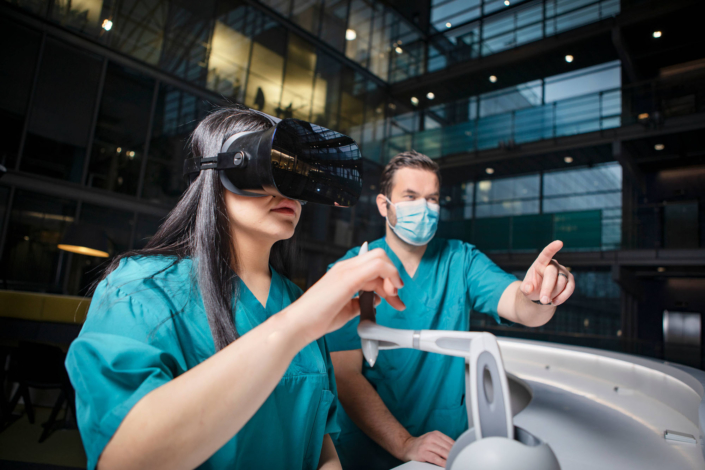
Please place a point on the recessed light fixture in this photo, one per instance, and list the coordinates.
(107, 24)
(656, 34)
(659, 147)
(119, 149)
(493, 79)
(448, 25)
(430, 95)
(506, 2)
(350, 35)
(569, 58)
(399, 50)
(448, 199)
(661, 269)
(414, 101)
(643, 116)
(489, 171)
(568, 159)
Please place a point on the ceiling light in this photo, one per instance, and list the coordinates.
(119, 149)
(107, 25)
(568, 159)
(414, 101)
(659, 147)
(661, 269)
(493, 79)
(489, 171)
(448, 25)
(506, 2)
(399, 50)
(448, 199)
(350, 35)
(569, 58)
(656, 34)
(430, 95)
(643, 116)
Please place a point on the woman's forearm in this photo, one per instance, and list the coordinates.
(182, 423)
(329, 457)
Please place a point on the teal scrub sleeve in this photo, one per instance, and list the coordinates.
(111, 372)
(486, 282)
(332, 426)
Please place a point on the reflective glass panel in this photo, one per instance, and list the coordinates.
(19, 47)
(121, 131)
(62, 112)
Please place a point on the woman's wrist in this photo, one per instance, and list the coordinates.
(292, 329)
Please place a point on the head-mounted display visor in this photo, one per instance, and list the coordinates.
(295, 159)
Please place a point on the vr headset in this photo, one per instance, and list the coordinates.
(294, 159)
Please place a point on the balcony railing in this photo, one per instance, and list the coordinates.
(649, 103)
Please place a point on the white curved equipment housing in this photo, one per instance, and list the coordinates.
(603, 410)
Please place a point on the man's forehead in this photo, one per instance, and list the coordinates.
(415, 180)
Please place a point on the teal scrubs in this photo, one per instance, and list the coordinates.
(147, 325)
(424, 391)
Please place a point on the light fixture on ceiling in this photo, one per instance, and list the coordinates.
(489, 171)
(398, 50)
(414, 101)
(350, 35)
(656, 34)
(661, 269)
(659, 147)
(568, 159)
(569, 58)
(493, 79)
(448, 25)
(506, 2)
(85, 240)
(107, 24)
(430, 95)
(643, 116)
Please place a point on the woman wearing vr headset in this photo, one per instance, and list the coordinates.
(196, 351)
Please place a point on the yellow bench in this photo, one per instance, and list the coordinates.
(43, 307)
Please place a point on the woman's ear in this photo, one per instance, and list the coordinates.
(382, 205)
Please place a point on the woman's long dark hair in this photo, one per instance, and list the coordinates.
(198, 227)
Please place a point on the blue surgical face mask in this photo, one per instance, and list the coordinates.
(416, 221)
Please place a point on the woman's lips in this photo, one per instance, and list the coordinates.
(285, 211)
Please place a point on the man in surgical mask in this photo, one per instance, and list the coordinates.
(411, 404)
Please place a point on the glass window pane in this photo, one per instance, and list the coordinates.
(31, 258)
(335, 13)
(264, 84)
(307, 14)
(584, 81)
(62, 112)
(298, 80)
(326, 91)
(187, 33)
(352, 104)
(177, 114)
(19, 48)
(283, 7)
(230, 53)
(381, 39)
(116, 223)
(85, 16)
(357, 46)
(583, 181)
(121, 130)
(138, 28)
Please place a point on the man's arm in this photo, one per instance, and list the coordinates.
(367, 410)
(546, 281)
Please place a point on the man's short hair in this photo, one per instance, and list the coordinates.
(409, 159)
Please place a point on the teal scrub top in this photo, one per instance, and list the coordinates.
(424, 391)
(147, 324)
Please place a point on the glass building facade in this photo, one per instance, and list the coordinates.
(103, 94)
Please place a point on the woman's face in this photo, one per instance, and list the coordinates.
(270, 218)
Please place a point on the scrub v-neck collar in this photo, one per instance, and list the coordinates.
(421, 269)
(274, 297)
